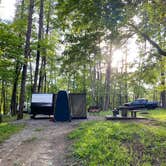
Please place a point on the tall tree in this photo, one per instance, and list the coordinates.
(39, 48)
(42, 75)
(26, 55)
(18, 65)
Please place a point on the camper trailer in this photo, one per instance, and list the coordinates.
(42, 104)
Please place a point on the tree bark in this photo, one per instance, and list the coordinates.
(163, 93)
(26, 55)
(126, 72)
(4, 97)
(108, 81)
(44, 59)
(40, 33)
(14, 103)
(107, 85)
(84, 79)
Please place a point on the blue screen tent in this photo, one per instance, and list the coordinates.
(62, 110)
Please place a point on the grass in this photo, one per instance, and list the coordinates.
(6, 130)
(8, 118)
(109, 144)
(157, 114)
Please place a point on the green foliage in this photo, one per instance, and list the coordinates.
(6, 130)
(107, 143)
(10, 50)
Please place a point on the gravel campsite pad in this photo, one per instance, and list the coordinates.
(41, 143)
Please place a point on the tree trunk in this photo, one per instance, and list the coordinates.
(108, 81)
(107, 86)
(84, 79)
(40, 33)
(45, 83)
(163, 93)
(163, 99)
(126, 82)
(26, 55)
(4, 97)
(14, 103)
(92, 78)
(43, 66)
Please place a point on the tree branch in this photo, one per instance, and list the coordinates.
(146, 37)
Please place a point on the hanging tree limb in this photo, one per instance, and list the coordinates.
(146, 37)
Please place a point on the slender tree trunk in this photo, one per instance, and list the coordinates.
(14, 103)
(45, 83)
(107, 85)
(163, 99)
(163, 93)
(4, 97)
(40, 33)
(108, 81)
(1, 108)
(26, 55)
(31, 74)
(114, 95)
(101, 86)
(42, 74)
(97, 85)
(1, 99)
(84, 79)
(126, 82)
(92, 73)
(43, 66)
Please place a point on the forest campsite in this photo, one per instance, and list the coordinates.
(82, 82)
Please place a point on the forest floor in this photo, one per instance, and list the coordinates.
(41, 143)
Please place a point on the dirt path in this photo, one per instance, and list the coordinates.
(41, 143)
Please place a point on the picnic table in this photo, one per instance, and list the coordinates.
(124, 111)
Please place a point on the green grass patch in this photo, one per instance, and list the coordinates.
(157, 114)
(9, 118)
(6, 130)
(108, 143)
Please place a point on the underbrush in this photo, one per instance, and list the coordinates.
(6, 130)
(107, 143)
